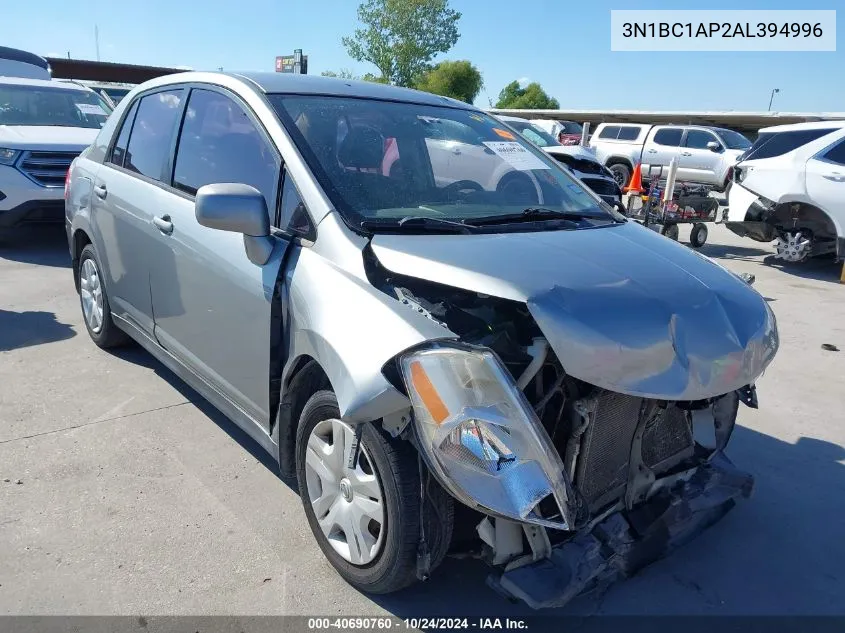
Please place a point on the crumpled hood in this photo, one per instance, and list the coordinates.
(623, 307)
(46, 137)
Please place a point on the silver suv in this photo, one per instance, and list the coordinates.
(44, 125)
(420, 352)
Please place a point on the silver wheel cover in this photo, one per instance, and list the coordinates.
(91, 291)
(347, 500)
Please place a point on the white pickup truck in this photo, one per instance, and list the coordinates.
(705, 155)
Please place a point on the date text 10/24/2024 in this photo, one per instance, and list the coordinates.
(413, 624)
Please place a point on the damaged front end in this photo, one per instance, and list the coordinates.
(579, 484)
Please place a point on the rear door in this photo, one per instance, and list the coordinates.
(127, 194)
(659, 150)
(699, 163)
(826, 182)
(212, 305)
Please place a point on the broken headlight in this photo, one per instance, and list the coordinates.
(481, 436)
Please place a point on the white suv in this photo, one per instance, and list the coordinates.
(44, 125)
(790, 187)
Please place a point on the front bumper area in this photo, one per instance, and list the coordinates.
(626, 541)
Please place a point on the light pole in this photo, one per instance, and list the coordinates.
(775, 90)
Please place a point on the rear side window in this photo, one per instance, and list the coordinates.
(836, 154)
(628, 133)
(220, 143)
(149, 143)
(610, 132)
(698, 139)
(119, 151)
(771, 144)
(668, 136)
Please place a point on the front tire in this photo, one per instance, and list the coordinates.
(94, 301)
(365, 512)
(621, 174)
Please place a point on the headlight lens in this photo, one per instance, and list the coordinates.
(8, 156)
(481, 436)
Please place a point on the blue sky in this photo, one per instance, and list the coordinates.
(565, 45)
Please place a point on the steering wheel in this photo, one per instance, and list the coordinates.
(460, 188)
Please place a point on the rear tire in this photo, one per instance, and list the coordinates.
(94, 301)
(698, 235)
(621, 174)
(394, 463)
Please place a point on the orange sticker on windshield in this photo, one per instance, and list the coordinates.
(504, 134)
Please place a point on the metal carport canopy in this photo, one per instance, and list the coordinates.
(88, 70)
(740, 121)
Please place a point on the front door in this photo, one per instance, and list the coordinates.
(699, 163)
(212, 306)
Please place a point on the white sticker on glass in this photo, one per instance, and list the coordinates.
(90, 108)
(516, 155)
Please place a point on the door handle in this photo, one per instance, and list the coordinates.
(686, 153)
(101, 192)
(835, 176)
(163, 224)
(456, 151)
(652, 151)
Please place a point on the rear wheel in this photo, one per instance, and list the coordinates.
(364, 511)
(95, 303)
(621, 174)
(698, 235)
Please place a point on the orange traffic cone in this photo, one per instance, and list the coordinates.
(636, 184)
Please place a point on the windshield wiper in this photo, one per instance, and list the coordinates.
(415, 222)
(531, 214)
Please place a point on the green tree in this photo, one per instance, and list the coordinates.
(401, 37)
(532, 97)
(458, 79)
(343, 73)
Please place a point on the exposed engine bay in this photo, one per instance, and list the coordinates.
(622, 453)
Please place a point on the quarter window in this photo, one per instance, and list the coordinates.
(220, 143)
(628, 133)
(295, 216)
(610, 132)
(668, 136)
(698, 139)
(149, 143)
(836, 154)
(119, 151)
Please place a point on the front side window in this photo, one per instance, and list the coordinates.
(42, 106)
(733, 140)
(220, 143)
(386, 162)
(698, 139)
(668, 136)
(152, 132)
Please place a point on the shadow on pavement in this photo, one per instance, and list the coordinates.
(25, 329)
(136, 354)
(821, 269)
(43, 245)
(778, 553)
(729, 251)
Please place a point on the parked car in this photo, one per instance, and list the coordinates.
(790, 187)
(44, 125)
(579, 161)
(566, 132)
(421, 356)
(17, 63)
(705, 155)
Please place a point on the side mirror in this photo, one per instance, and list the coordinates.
(714, 146)
(240, 209)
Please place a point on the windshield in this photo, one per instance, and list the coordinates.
(734, 140)
(381, 162)
(37, 105)
(533, 134)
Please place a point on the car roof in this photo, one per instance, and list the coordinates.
(810, 125)
(54, 84)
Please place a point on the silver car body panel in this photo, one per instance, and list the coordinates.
(623, 307)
